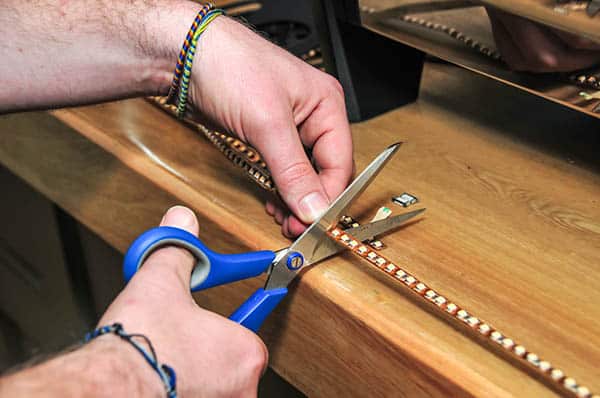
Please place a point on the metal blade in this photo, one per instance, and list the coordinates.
(314, 244)
(371, 230)
(368, 231)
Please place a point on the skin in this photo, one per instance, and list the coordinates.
(92, 51)
(213, 357)
(527, 46)
(61, 53)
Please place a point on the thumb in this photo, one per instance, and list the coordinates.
(295, 177)
(172, 258)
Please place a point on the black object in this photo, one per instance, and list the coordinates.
(288, 23)
(377, 73)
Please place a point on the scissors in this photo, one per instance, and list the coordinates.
(213, 269)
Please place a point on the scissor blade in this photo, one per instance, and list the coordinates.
(366, 232)
(373, 229)
(314, 240)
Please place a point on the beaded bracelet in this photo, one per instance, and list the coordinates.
(165, 372)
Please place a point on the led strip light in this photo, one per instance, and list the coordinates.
(238, 152)
(461, 318)
(251, 162)
(248, 159)
(455, 34)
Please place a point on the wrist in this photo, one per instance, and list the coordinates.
(118, 369)
(105, 367)
(165, 28)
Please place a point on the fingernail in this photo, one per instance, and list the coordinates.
(180, 217)
(312, 206)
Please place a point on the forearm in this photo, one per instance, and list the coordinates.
(106, 367)
(65, 52)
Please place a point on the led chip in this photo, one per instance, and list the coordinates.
(570, 383)
(557, 374)
(508, 343)
(420, 287)
(533, 359)
(376, 244)
(390, 268)
(452, 308)
(545, 366)
(462, 315)
(583, 392)
(405, 199)
(496, 336)
(520, 350)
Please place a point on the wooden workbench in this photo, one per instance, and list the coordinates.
(512, 232)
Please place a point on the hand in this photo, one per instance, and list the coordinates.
(280, 105)
(528, 46)
(212, 356)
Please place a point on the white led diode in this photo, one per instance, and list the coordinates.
(362, 250)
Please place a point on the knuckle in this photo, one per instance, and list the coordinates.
(335, 86)
(295, 173)
(254, 357)
(545, 61)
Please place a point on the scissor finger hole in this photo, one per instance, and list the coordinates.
(202, 267)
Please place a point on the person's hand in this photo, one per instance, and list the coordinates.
(212, 356)
(280, 105)
(528, 46)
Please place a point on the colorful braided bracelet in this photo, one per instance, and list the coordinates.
(183, 69)
(184, 49)
(189, 59)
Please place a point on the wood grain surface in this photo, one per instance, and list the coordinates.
(512, 232)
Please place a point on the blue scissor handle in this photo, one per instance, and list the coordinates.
(212, 269)
(255, 310)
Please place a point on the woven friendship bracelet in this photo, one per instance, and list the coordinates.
(165, 372)
(189, 59)
(184, 49)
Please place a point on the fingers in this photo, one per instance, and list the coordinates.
(295, 177)
(508, 48)
(528, 46)
(171, 259)
(328, 133)
(576, 42)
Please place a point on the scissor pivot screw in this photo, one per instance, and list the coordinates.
(295, 261)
